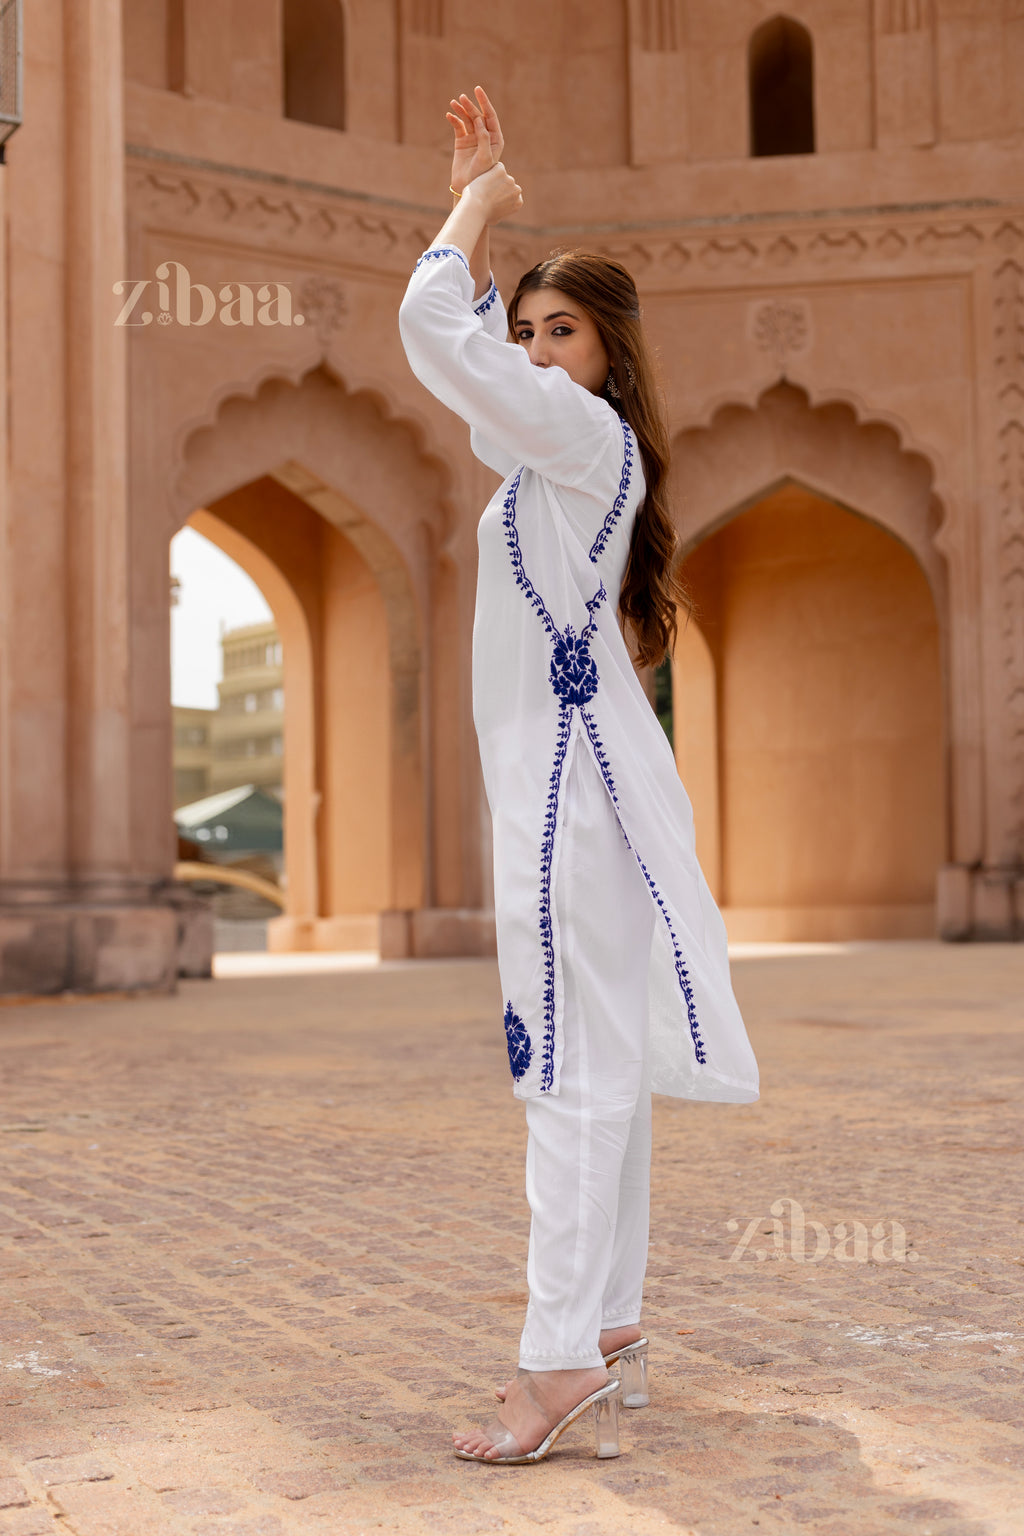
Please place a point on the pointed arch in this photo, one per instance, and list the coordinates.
(812, 560)
(330, 483)
(830, 447)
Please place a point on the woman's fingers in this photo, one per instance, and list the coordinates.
(490, 118)
(457, 115)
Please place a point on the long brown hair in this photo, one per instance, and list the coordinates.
(651, 588)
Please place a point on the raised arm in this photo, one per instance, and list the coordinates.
(538, 416)
(478, 146)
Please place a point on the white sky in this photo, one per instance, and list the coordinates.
(215, 595)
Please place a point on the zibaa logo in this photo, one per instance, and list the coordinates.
(177, 296)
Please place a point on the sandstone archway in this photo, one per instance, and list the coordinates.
(817, 683)
(301, 797)
(341, 502)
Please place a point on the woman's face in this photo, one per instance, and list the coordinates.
(556, 332)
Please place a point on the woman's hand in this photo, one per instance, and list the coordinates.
(478, 138)
(495, 193)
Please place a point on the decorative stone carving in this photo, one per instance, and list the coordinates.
(832, 245)
(394, 239)
(951, 240)
(780, 328)
(891, 244)
(323, 303)
(728, 253)
(782, 251)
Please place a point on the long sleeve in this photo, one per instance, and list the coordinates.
(491, 312)
(533, 416)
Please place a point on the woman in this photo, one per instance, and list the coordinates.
(611, 951)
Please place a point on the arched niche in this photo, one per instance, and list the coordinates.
(343, 502)
(780, 63)
(862, 465)
(313, 62)
(812, 671)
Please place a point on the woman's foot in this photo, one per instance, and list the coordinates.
(611, 1340)
(614, 1339)
(534, 1402)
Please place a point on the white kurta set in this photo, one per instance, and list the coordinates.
(611, 950)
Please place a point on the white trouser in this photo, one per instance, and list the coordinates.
(588, 1156)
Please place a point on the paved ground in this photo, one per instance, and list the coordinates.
(261, 1245)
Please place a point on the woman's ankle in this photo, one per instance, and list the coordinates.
(619, 1337)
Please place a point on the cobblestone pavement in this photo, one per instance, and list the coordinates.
(262, 1244)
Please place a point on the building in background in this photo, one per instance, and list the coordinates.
(193, 752)
(242, 740)
(824, 212)
(247, 728)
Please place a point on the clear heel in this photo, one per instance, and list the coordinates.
(632, 1367)
(605, 1403)
(606, 1426)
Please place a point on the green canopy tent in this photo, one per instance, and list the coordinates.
(235, 822)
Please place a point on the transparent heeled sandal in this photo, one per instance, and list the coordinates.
(604, 1402)
(631, 1362)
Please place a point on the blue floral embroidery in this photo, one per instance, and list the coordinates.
(489, 299)
(681, 972)
(436, 254)
(547, 849)
(600, 756)
(598, 546)
(520, 1051)
(573, 673)
(575, 680)
(522, 581)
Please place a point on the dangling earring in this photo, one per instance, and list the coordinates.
(630, 375)
(611, 386)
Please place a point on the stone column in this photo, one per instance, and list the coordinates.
(72, 915)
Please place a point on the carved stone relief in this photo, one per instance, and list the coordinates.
(198, 202)
(780, 328)
(323, 303)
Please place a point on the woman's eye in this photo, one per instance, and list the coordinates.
(562, 330)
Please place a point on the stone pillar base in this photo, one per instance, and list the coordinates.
(437, 933)
(980, 904)
(305, 935)
(446, 932)
(430, 933)
(46, 950)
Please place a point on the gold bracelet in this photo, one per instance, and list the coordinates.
(453, 192)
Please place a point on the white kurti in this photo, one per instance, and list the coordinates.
(552, 676)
